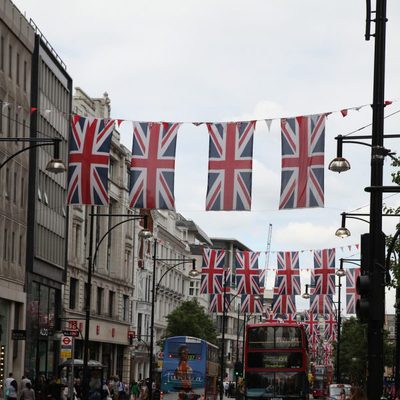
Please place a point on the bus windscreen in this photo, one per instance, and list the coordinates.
(275, 337)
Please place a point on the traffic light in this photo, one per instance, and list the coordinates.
(238, 369)
(370, 283)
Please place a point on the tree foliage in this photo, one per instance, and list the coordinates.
(190, 319)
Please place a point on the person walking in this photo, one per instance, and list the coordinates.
(27, 392)
(11, 387)
(134, 391)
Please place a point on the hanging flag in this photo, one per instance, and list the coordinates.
(247, 272)
(287, 279)
(212, 272)
(302, 180)
(290, 318)
(351, 293)
(217, 302)
(153, 165)
(88, 158)
(282, 304)
(311, 323)
(324, 271)
(250, 305)
(230, 166)
(321, 304)
(330, 327)
(269, 316)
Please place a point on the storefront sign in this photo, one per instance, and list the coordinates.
(18, 334)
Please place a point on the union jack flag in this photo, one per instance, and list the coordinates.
(251, 305)
(247, 272)
(284, 304)
(288, 273)
(230, 166)
(324, 271)
(289, 318)
(270, 316)
(263, 277)
(311, 323)
(330, 327)
(213, 272)
(321, 304)
(302, 180)
(153, 165)
(89, 153)
(217, 302)
(351, 294)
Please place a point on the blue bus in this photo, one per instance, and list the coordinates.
(190, 369)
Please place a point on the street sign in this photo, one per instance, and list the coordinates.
(71, 332)
(66, 353)
(18, 334)
(66, 341)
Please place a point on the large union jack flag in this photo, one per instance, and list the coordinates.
(213, 272)
(351, 293)
(288, 273)
(269, 316)
(89, 153)
(153, 165)
(251, 305)
(321, 304)
(283, 304)
(311, 324)
(324, 271)
(247, 272)
(217, 302)
(330, 327)
(230, 166)
(302, 180)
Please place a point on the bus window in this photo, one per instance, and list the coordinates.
(288, 337)
(261, 337)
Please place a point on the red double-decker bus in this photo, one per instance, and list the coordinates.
(276, 361)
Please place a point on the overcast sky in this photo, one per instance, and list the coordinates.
(237, 60)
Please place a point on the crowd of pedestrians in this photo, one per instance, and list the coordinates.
(55, 389)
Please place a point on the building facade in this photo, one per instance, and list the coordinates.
(17, 40)
(51, 97)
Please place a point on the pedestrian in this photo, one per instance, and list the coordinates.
(226, 388)
(121, 391)
(134, 390)
(11, 387)
(24, 381)
(156, 393)
(27, 392)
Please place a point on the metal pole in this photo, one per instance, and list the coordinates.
(377, 249)
(85, 383)
(222, 360)
(153, 299)
(339, 323)
(237, 347)
(397, 333)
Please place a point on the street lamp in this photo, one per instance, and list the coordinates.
(145, 233)
(55, 165)
(343, 232)
(154, 289)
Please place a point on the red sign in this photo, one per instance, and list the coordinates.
(131, 334)
(66, 341)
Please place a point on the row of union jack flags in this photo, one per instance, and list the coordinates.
(247, 279)
(230, 163)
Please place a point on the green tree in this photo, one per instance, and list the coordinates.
(353, 351)
(190, 319)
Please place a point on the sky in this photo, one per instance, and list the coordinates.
(230, 60)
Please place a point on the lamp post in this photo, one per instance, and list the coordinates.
(154, 289)
(145, 233)
(55, 165)
(340, 273)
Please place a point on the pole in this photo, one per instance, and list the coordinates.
(244, 337)
(237, 347)
(153, 299)
(85, 383)
(339, 323)
(397, 333)
(222, 360)
(376, 254)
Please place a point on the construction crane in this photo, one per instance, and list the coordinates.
(268, 246)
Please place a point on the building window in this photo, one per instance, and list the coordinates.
(125, 310)
(17, 75)
(25, 74)
(15, 188)
(10, 61)
(73, 285)
(7, 191)
(2, 53)
(9, 122)
(111, 298)
(13, 247)
(85, 295)
(99, 302)
(21, 242)
(139, 326)
(194, 288)
(5, 246)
